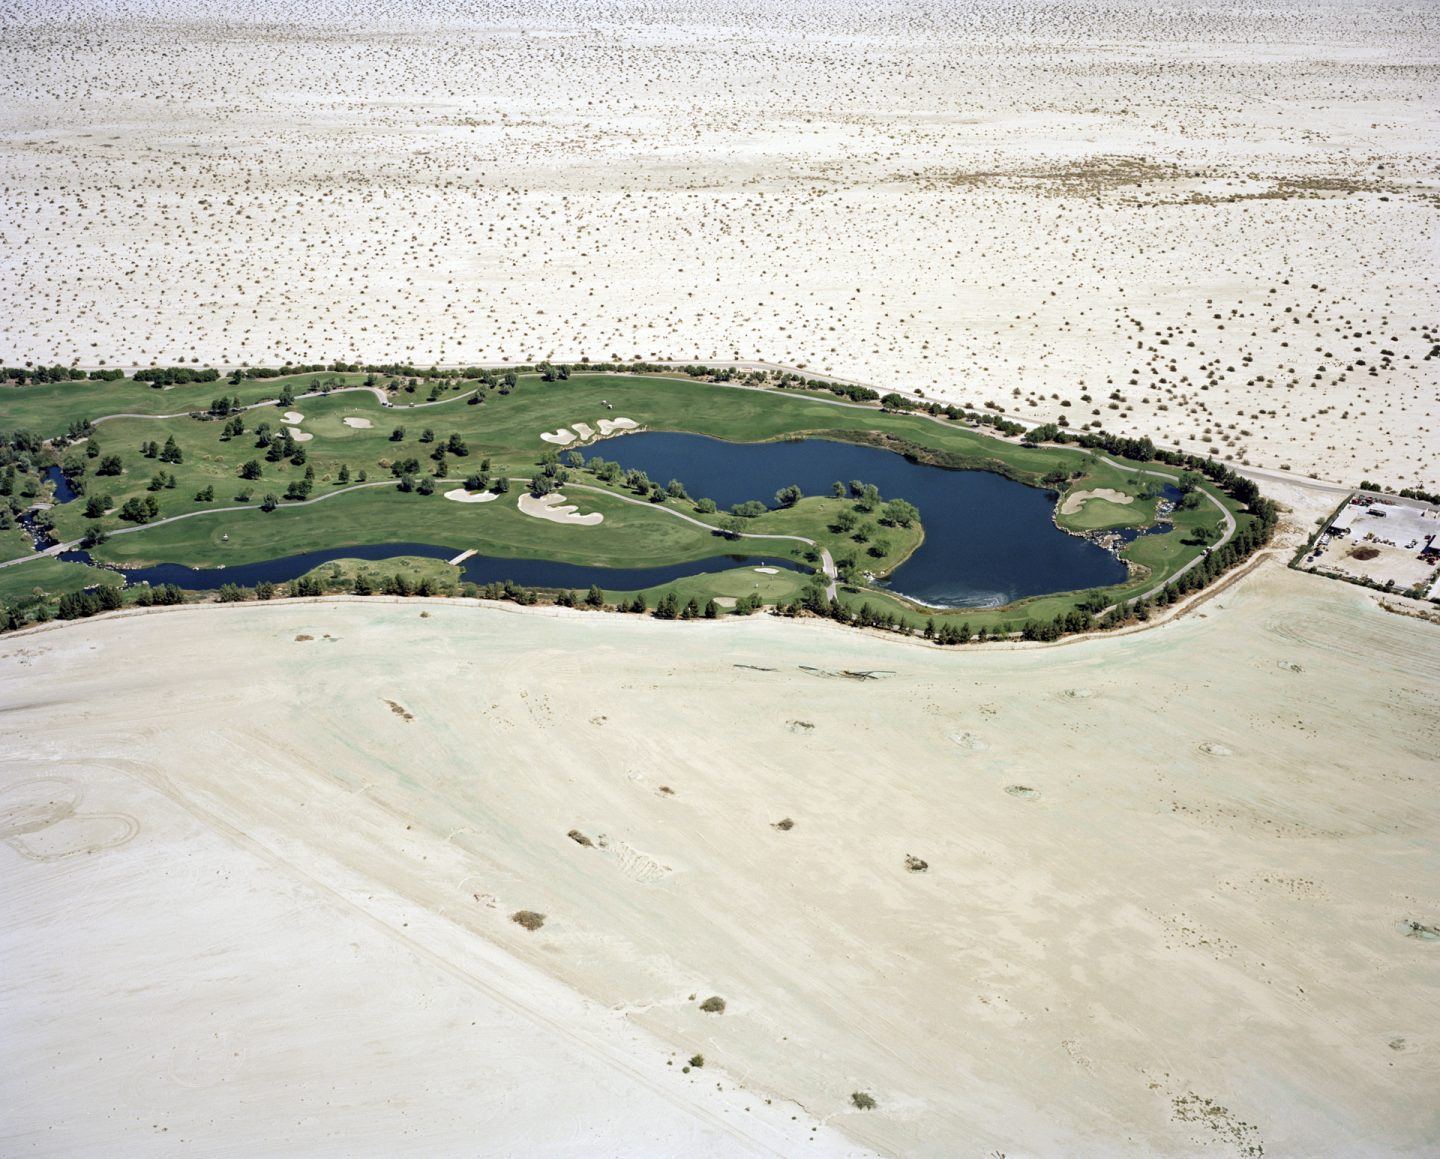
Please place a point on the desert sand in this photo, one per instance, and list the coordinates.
(1219, 219)
(1148, 919)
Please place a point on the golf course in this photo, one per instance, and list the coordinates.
(679, 492)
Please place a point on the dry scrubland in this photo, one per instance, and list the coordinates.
(1225, 214)
(1167, 876)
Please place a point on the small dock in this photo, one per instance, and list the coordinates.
(463, 556)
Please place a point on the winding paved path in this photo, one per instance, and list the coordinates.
(1224, 539)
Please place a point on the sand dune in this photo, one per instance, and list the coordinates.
(1118, 928)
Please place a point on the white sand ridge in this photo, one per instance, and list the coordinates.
(584, 433)
(557, 509)
(1077, 499)
(460, 495)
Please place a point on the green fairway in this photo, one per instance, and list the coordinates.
(331, 475)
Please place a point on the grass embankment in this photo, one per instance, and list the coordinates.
(505, 428)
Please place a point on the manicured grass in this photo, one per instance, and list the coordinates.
(341, 573)
(505, 428)
(631, 536)
(1103, 515)
(30, 583)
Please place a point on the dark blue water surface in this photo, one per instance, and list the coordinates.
(63, 491)
(988, 539)
(478, 569)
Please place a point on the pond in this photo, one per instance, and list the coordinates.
(478, 569)
(988, 540)
(64, 493)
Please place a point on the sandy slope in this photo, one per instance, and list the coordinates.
(1224, 213)
(1201, 903)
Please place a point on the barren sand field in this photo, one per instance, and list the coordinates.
(1164, 904)
(1221, 219)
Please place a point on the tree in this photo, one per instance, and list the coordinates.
(899, 513)
(206, 494)
(426, 486)
(110, 465)
(344, 476)
(750, 509)
(171, 452)
(363, 586)
(502, 485)
(712, 610)
(397, 435)
(134, 511)
(837, 490)
(270, 502)
(250, 470)
(456, 446)
(97, 505)
(789, 496)
(595, 598)
(668, 607)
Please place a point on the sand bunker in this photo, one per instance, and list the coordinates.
(298, 435)
(555, 508)
(768, 570)
(293, 416)
(584, 433)
(460, 495)
(1077, 499)
(358, 424)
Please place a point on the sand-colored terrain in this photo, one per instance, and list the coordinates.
(460, 495)
(358, 424)
(1163, 906)
(1077, 499)
(1220, 219)
(557, 509)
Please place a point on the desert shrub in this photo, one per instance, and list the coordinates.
(528, 918)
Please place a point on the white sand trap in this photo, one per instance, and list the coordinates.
(768, 570)
(554, 508)
(725, 601)
(359, 424)
(298, 435)
(584, 430)
(610, 426)
(562, 436)
(1077, 499)
(293, 416)
(460, 495)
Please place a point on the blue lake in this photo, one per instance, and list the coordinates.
(988, 539)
